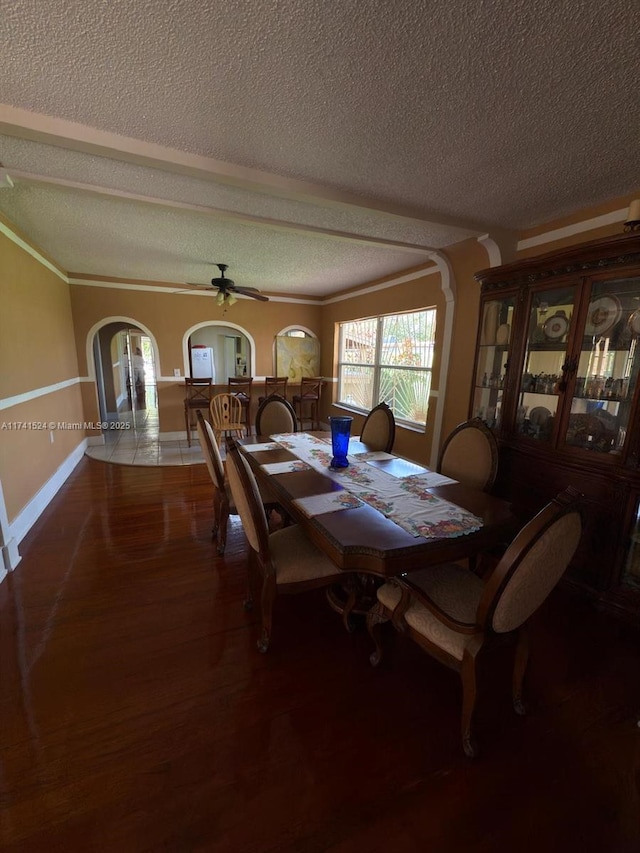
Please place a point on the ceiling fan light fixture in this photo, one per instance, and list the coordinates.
(231, 299)
(220, 297)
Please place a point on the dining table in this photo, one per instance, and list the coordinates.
(382, 515)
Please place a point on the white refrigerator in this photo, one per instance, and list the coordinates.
(202, 363)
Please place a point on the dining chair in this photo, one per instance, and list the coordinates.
(240, 387)
(456, 616)
(284, 561)
(275, 415)
(310, 391)
(223, 505)
(470, 455)
(379, 428)
(225, 414)
(274, 385)
(197, 396)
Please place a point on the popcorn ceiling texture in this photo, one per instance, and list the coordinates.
(167, 245)
(508, 113)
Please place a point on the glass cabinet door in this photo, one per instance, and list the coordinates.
(551, 314)
(493, 357)
(607, 368)
(631, 572)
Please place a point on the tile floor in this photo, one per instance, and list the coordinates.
(138, 442)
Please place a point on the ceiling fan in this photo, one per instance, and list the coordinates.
(227, 289)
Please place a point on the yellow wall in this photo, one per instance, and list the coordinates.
(36, 350)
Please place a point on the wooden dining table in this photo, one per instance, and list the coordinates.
(363, 539)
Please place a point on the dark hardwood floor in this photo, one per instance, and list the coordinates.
(137, 714)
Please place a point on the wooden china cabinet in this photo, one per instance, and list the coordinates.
(556, 378)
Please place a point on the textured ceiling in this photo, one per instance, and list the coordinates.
(317, 145)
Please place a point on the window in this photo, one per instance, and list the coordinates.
(388, 359)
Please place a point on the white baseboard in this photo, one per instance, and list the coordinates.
(9, 546)
(28, 516)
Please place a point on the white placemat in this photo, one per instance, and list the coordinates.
(329, 502)
(286, 467)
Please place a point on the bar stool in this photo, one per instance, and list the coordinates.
(310, 389)
(274, 385)
(240, 387)
(198, 396)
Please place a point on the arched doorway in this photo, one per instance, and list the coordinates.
(232, 350)
(125, 372)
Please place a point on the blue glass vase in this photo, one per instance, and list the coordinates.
(340, 432)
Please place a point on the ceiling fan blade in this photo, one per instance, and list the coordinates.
(252, 292)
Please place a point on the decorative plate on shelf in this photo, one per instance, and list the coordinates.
(539, 415)
(604, 312)
(634, 322)
(555, 327)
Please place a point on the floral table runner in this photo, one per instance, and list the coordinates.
(405, 500)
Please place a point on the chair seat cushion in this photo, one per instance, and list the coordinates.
(454, 589)
(296, 558)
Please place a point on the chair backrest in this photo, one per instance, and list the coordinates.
(246, 497)
(470, 455)
(379, 428)
(240, 385)
(197, 390)
(210, 451)
(275, 415)
(226, 412)
(276, 385)
(532, 565)
(311, 386)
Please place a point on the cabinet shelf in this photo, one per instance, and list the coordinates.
(602, 399)
(554, 346)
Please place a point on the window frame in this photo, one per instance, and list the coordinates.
(378, 366)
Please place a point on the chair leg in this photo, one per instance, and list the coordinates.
(350, 603)
(248, 602)
(222, 528)
(469, 695)
(376, 617)
(519, 669)
(267, 599)
(216, 520)
(187, 424)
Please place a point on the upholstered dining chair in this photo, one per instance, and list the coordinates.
(470, 455)
(379, 428)
(456, 616)
(240, 387)
(223, 505)
(274, 385)
(275, 415)
(309, 396)
(225, 413)
(284, 561)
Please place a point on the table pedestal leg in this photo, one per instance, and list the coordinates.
(355, 595)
